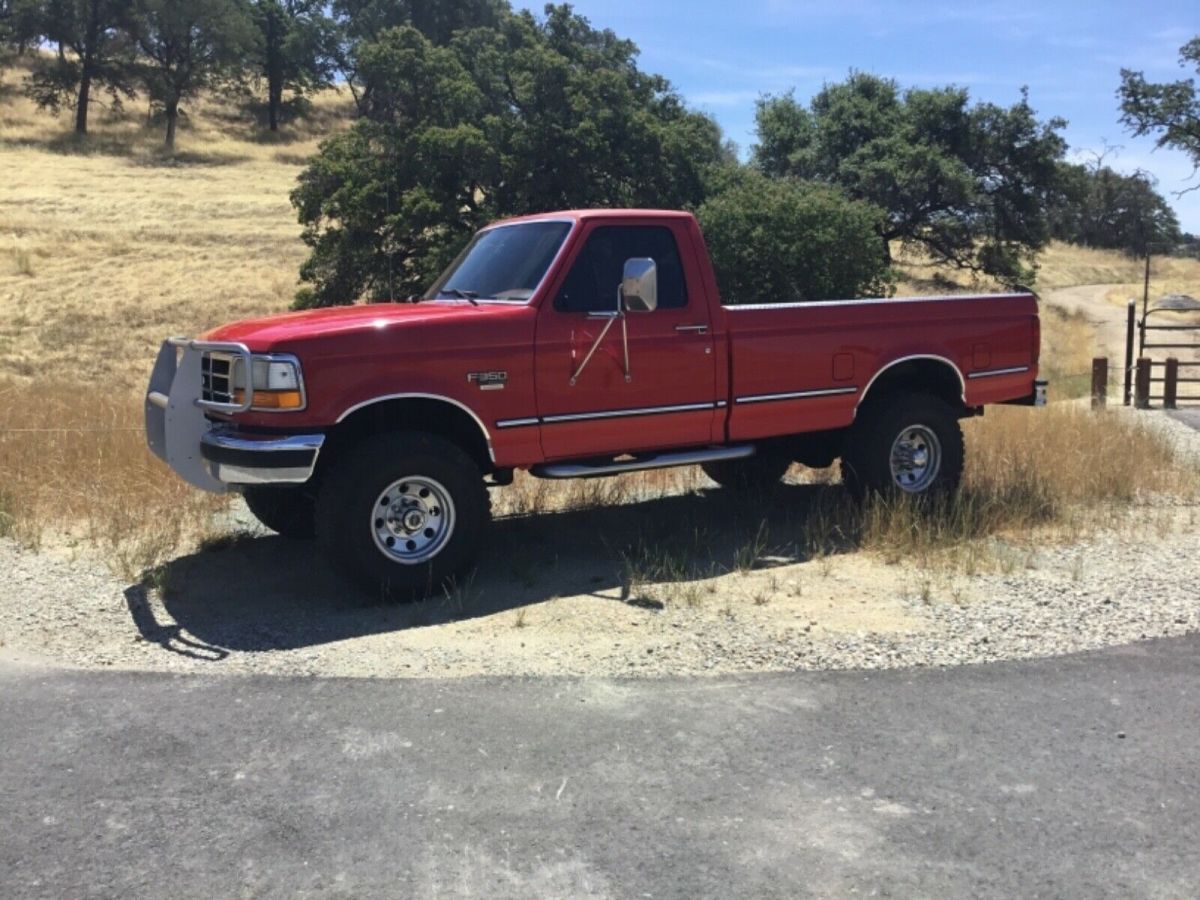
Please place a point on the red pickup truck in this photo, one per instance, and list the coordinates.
(571, 344)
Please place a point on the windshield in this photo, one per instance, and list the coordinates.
(503, 263)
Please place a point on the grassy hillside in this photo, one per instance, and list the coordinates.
(107, 245)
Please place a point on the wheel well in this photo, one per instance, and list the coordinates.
(425, 414)
(926, 375)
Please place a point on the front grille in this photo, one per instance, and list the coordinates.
(216, 377)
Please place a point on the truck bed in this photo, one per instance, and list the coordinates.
(817, 361)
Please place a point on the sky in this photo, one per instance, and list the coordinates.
(723, 55)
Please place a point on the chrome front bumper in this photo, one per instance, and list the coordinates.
(205, 454)
(236, 458)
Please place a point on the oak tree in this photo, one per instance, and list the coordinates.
(358, 22)
(1100, 207)
(294, 52)
(530, 115)
(1170, 111)
(968, 184)
(188, 46)
(94, 53)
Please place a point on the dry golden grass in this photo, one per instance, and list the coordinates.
(1053, 472)
(1068, 455)
(110, 244)
(1068, 346)
(917, 274)
(1059, 265)
(76, 469)
(1064, 265)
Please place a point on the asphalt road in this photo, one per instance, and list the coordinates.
(1074, 777)
(1189, 416)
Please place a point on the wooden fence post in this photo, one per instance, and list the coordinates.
(1171, 384)
(1141, 398)
(1099, 382)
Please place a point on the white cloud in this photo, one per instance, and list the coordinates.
(723, 98)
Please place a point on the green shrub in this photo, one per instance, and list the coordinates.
(778, 240)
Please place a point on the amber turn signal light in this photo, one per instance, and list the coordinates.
(272, 399)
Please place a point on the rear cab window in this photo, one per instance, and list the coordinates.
(591, 285)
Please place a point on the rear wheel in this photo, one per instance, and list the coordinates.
(286, 509)
(402, 514)
(906, 444)
(758, 472)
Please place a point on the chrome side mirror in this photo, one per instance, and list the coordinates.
(639, 285)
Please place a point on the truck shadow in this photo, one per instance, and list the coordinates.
(269, 593)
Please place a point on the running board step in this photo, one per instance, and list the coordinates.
(590, 469)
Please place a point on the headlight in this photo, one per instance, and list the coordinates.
(277, 383)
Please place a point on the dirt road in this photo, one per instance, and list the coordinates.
(1108, 320)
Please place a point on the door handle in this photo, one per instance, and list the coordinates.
(698, 329)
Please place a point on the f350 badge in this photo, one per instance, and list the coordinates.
(489, 381)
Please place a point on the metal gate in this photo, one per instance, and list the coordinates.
(1166, 367)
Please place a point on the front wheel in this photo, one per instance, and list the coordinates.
(910, 444)
(402, 514)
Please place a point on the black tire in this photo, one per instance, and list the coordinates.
(286, 509)
(759, 472)
(928, 425)
(351, 528)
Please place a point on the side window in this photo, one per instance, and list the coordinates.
(591, 285)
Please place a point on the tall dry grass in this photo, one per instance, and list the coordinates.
(1029, 471)
(1032, 476)
(1045, 473)
(1068, 346)
(74, 468)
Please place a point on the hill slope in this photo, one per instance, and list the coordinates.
(108, 245)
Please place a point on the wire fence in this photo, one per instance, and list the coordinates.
(77, 429)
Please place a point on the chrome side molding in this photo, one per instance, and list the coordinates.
(991, 373)
(590, 469)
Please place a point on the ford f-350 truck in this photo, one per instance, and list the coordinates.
(570, 344)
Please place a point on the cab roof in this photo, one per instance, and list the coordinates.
(577, 215)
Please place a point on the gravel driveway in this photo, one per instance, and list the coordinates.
(268, 605)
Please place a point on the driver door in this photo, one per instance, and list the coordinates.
(668, 398)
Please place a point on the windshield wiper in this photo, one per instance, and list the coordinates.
(462, 295)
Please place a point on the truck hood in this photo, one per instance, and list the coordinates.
(272, 332)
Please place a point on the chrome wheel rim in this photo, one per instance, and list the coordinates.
(412, 520)
(916, 458)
